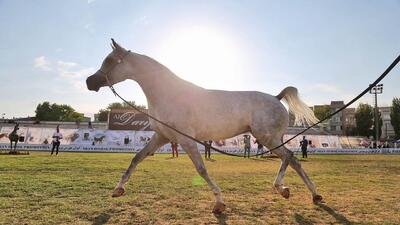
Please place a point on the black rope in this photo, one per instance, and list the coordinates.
(386, 72)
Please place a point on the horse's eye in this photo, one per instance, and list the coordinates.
(108, 61)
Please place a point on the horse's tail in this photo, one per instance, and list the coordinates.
(302, 113)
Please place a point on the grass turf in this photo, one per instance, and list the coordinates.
(75, 188)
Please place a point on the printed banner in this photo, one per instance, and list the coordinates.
(131, 141)
(126, 119)
(166, 149)
(315, 141)
(5, 131)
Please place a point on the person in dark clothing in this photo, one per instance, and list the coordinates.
(304, 145)
(246, 140)
(174, 148)
(57, 136)
(260, 147)
(207, 149)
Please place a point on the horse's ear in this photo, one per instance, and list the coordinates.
(116, 45)
(112, 46)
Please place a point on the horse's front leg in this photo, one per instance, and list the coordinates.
(156, 141)
(190, 148)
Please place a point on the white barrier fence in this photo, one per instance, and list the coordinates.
(167, 149)
(350, 151)
(102, 140)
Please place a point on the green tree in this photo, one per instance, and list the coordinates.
(55, 112)
(103, 113)
(364, 119)
(395, 116)
(43, 111)
(322, 111)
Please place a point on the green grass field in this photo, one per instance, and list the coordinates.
(75, 188)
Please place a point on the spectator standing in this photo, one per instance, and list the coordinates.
(260, 147)
(174, 148)
(57, 136)
(207, 149)
(304, 145)
(246, 140)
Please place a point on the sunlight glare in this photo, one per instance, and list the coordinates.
(204, 57)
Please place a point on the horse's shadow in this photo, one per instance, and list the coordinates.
(264, 159)
(301, 220)
(169, 158)
(341, 219)
(222, 218)
(101, 219)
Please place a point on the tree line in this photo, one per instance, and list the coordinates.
(60, 112)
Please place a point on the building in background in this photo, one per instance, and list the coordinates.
(336, 121)
(349, 121)
(387, 128)
(344, 123)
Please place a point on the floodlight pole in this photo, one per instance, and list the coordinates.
(378, 89)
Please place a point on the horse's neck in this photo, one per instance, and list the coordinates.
(159, 83)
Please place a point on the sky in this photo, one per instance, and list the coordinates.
(329, 50)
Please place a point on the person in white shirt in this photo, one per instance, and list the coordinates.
(57, 136)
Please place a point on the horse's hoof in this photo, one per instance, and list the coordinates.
(219, 208)
(317, 199)
(118, 192)
(285, 192)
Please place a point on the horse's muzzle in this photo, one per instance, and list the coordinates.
(96, 81)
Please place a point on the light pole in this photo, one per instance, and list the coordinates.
(378, 89)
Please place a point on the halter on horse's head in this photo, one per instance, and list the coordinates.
(112, 70)
(122, 64)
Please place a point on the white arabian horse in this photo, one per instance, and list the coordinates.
(204, 114)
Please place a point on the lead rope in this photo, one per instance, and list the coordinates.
(386, 72)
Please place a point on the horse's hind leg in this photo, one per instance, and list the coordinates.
(278, 183)
(287, 158)
(295, 164)
(270, 141)
(190, 148)
(155, 142)
(284, 155)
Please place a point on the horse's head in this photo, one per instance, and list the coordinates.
(113, 70)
